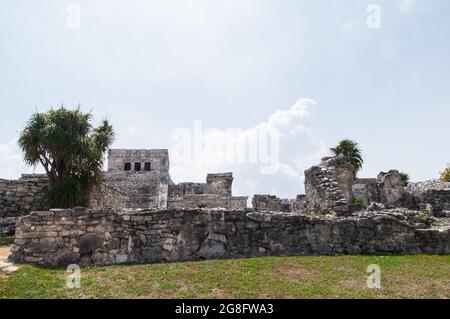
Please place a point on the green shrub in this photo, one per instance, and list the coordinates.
(405, 178)
(6, 240)
(350, 151)
(445, 175)
(358, 201)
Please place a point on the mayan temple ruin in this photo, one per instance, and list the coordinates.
(138, 214)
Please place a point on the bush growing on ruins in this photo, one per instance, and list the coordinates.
(445, 174)
(71, 151)
(358, 201)
(405, 178)
(349, 150)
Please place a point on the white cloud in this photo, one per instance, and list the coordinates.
(296, 151)
(133, 131)
(12, 164)
(407, 5)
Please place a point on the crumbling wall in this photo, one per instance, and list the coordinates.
(366, 190)
(208, 201)
(299, 204)
(219, 184)
(182, 189)
(61, 237)
(434, 192)
(271, 203)
(141, 188)
(328, 186)
(215, 193)
(391, 188)
(104, 196)
(18, 198)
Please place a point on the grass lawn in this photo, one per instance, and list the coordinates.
(417, 276)
(6, 240)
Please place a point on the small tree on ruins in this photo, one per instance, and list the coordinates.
(71, 151)
(445, 174)
(350, 151)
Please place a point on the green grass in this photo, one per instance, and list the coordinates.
(6, 240)
(419, 276)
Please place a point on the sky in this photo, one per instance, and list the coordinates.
(315, 72)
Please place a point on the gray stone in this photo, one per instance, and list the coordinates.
(164, 235)
(89, 243)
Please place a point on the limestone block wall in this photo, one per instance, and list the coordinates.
(434, 192)
(299, 203)
(391, 188)
(141, 188)
(159, 159)
(366, 190)
(208, 201)
(19, 197)
(328, 186)
(61, 237)
(219, 184)
(271, 203)
(182, 189)
(104, 196)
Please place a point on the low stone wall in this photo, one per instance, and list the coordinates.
(61, 237)
(19, 197)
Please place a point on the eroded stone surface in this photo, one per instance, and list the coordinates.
(328, 186)
(55, 238)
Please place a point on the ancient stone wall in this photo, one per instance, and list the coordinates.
(141, 174)
(158, 159)
(391, 188)
(434, 192)
(271, 203)
(299, 204)
(61, 237)
(19, 197)
(104, 196)
(215, 193)
(182, 189)
(208, 201)
(388, 189)
(141, 188)
(366, 190)
(219, 184)
(328, 186)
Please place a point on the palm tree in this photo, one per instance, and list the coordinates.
(350, 151)
(71, 151)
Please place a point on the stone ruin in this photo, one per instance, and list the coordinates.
(144, 176)
(135, 179)
(331, 187)
(140, 215)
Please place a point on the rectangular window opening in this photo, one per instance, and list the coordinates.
(127, 167)
(137, 167)
(148, 166)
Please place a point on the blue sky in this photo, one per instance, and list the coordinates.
(151, 67)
